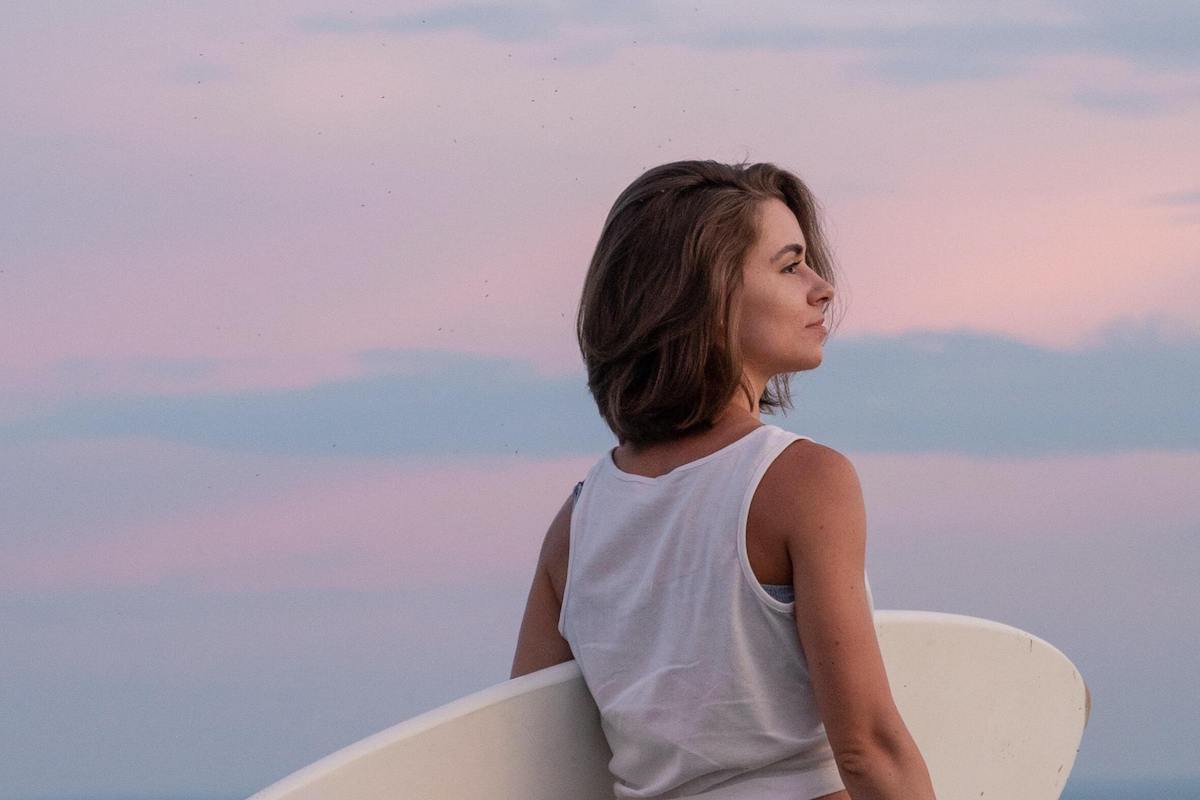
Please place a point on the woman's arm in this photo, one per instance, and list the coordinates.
(539, 644)
(816, 500)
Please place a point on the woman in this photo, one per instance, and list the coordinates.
(708, 573)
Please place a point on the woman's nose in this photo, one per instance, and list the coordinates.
(823, 292)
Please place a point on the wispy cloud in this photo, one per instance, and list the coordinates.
(977, 394)
(1184, 199)
(506, 23)
(953, 41)
(1124, 103)
(1188, 203)
(1160, 34)
(942, 391)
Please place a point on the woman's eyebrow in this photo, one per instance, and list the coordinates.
(789, 248)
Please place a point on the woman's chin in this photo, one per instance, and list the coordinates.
(811, 361)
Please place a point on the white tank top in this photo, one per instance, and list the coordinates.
(698, 673)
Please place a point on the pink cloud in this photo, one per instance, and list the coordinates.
(360, 526)
(379, 526)
(915, 501)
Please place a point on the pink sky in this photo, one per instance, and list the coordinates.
(318, 194)
(231, 197)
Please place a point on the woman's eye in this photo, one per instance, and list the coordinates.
(795, 264)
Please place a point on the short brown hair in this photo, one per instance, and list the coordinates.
(657, 318)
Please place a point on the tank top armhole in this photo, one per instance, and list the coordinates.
(562, 611)
(777, 446)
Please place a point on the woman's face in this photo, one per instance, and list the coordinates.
(780, 298)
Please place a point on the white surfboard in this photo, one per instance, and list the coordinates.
(996, 712)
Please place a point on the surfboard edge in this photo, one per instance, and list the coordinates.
(549, 676)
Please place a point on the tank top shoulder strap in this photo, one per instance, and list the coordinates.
(776, 442)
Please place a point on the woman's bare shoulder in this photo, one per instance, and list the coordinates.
(807, 482)
(810, 467)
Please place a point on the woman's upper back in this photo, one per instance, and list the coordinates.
(698, 671)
